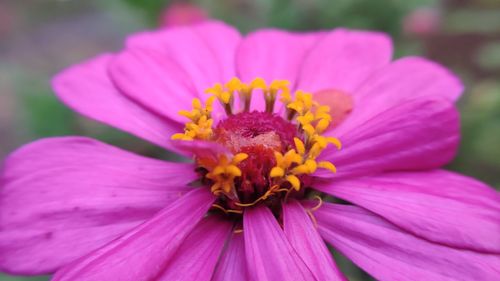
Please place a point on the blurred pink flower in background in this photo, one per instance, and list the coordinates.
(422, 22)
(6, 20)
(91, 211)
(182, 14)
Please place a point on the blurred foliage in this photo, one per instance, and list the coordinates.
(479, 154)
(385, 15)
(151, 8)
(46, 116)
(17, 278)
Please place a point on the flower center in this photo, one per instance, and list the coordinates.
(258, 135)
(270, 158)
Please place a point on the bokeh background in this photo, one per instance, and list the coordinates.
(40, 37)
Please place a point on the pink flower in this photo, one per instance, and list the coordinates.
(179, 14)
(422, 22)
(246, 209)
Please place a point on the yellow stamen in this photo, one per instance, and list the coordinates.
(294, 181)
(238, 158)
(286, 97)
(322, 125)
(201, 123)
(271, 92)
(277, 172)
(234, 84)
(327, 165)
(299, 145)
(312, 120)
(306, 119)
(258, 83)
(225, 172)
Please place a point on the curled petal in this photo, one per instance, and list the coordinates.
(232, 264)
(269, 254)
(196, 258)
(88, 89)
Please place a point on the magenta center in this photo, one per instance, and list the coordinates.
(257, 134)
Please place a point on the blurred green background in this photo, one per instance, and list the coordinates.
(40, 37)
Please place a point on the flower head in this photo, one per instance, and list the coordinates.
(269, 157)
(297, 140)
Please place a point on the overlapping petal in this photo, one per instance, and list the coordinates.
(419, 134)
(389, 253)
(343, 59)
(205, 51)
(165, 69)
(269, 254)
(142, 253)
(440, 206)
(232, 264)
(88, 89)
(195, 260)
(274, 54)
(200, 148)
(401, 81)
(63, 197)
(304, 238)
(153, 80)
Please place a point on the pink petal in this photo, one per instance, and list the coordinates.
(197, 56)
(439, 206)
(200, 148)
(61, 198)
(389, 253)
(223, 41)
(196, 258)
(142, 253)
(269, 254)
(405, 79)
(343, 59)
(273, 54)
(420, 134)
(408, 78)
(87, 89)
(306, 241)
(153, 80)
(232, 264)
(213, 54)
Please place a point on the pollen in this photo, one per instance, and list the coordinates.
(271, 157)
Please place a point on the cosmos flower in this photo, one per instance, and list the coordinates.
(297, 140)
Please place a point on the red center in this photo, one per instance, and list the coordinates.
(257, 134)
